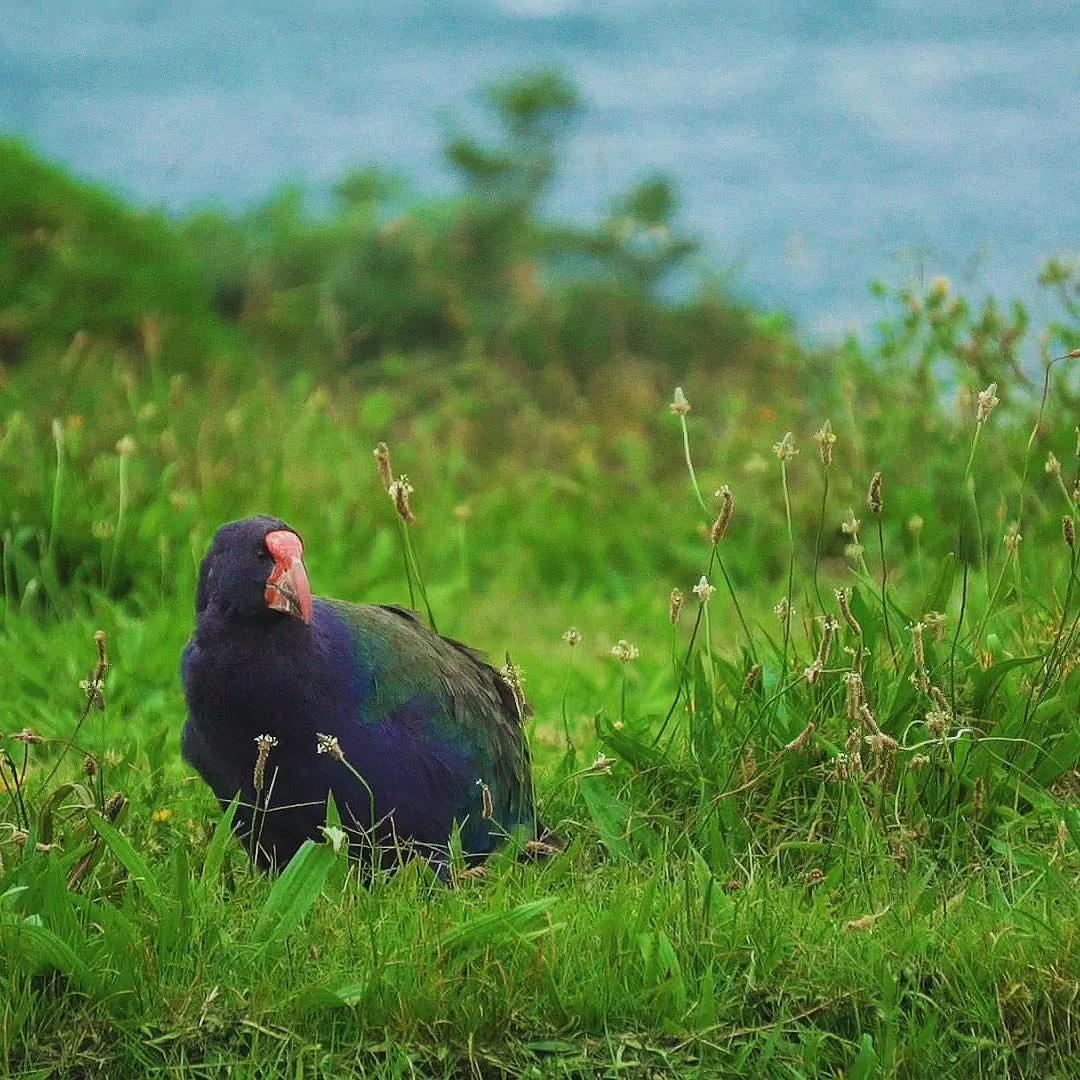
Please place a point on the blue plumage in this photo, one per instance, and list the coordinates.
(434, 733)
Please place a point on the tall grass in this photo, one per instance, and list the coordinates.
(841, 842)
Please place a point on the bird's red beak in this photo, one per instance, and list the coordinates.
(287, 587)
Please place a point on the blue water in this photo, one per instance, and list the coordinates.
(816, 145)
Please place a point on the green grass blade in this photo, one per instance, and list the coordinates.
(293, 893)
(215, 850)
(136, 866)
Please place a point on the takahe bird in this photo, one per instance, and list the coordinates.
(417, 733)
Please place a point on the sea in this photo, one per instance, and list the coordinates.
(815, 146)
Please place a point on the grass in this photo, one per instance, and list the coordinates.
(823, 823)
(844, 856)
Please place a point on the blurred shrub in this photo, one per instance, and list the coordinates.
(75, 260)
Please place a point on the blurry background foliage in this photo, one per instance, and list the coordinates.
(160, 375)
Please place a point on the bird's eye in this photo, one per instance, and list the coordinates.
(262, 552)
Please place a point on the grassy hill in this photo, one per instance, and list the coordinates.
(810, 836)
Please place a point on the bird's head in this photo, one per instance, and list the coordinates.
(255, 566)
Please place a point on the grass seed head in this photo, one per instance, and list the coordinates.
(572, 637)
(624, 651)
(829, 626)
(1068, 530)
(851, 524)
(843, 597)
(1012, 539)
(1052, 466)
(679, 405)
(873, 496)
(937, 723)
(753, 677)
(782, 609)
(399, 492)
(487, 807)
(328, 744)
(798, 744)
(382, 457)
(264, 743)
(854, 699)
(675, 603)
(785, 449)
(826, 440)
(881, 743)
(512, 676)
(703, 590)
(940, 699)
(723, 518)
(27, 736)
(920, 678)
(988, 399)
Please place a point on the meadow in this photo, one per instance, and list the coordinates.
(799, 628)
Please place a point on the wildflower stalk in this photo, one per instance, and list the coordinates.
(680, 673)
(403, 542)
(735, 603)
(825, 440)
(1070, 502)
(329, 744)
(417, 574)
(124, 448)
(884, 597)
(572, 637)
(1044, 396)
(791, 561)
(624, 652)
(716, 534)
(675, 606)
(704, 591)
(94, 690)
(680, 407)
(58, 484)
(399, 491)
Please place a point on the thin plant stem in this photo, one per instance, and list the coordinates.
(735, 603)
(411, 557)
(1069, 502)
(680, 676)
(622, 696)
(884, 596)
(562, 706)
(817, 540)
(690, 464)
(403, 539)
(791, 563)
(708, 636)
(58, 487)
